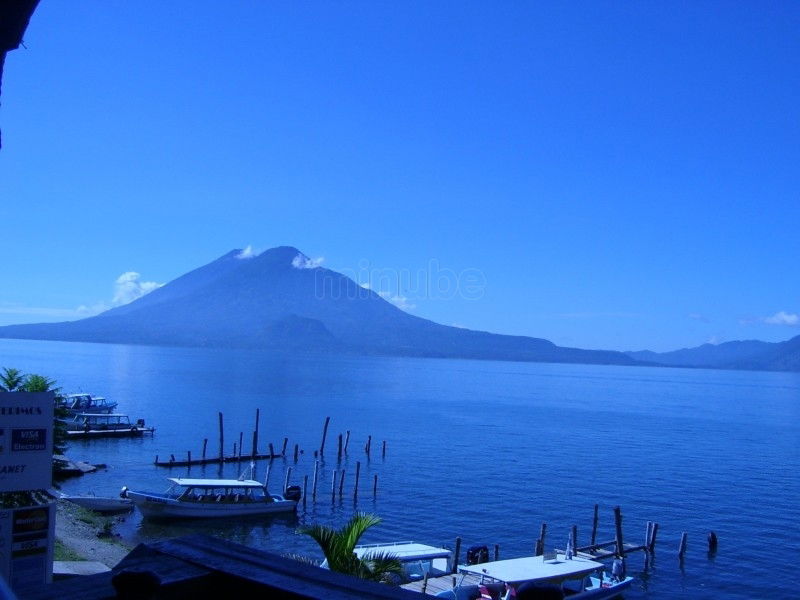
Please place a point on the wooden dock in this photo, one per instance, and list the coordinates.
(215, 460)
(433, 585)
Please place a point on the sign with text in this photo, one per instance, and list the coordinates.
(26, 545)
(26, 441)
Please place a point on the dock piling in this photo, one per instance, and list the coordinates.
(682, 546)
(456, 552)
(314, 485)
(341, 485)
(324, 435)
(358, 471)
(594, 524)
(620, 550)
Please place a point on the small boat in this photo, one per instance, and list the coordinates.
(100, 504)
(419, 560)
(206, 498)
(89, 425)
(86, 403)
(578, 578)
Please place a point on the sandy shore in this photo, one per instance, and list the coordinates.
(81, 537)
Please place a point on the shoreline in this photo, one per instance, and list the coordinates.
(81, 532)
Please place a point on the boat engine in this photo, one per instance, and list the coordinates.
(123, 493)
(293, 492)
(477, 555)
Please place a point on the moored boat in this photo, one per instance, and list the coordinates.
(211, 498)
(100, 504)
(578, 578)
(89, 425)
(86, 403)
(418, 560)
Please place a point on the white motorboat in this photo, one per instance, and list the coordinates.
(100, 504)
(209, 498)
(91, 425)
(579, 578)
(418, 560)
(86, 403)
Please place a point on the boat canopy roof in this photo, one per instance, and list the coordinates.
(534, 568)
(405, 551)
(216, 483)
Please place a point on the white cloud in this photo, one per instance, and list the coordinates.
(783, 318)
(128, 288)
(399, 301)
(248, 252)
(301, 261)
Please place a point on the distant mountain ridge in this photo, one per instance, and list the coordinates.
(274, 300)
(748, 354)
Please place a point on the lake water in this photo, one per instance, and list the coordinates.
(482, 450)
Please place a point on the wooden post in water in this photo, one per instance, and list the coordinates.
(305, 486)
(594, 525)
(285, 443)
(456, 552)
(255, 435)
(333, 485)
(346, 440)
(368, 445)
(712, 542)
(620, 551)
(341, 485)
(575, 539)
(241, 435)
(647, 534)
(383, 452)
(266, 477)
(358, 471)
(540, 542)
(653, 533)
(296, 451)
(189, 457)
(286, 480)
(314, 485)
(271, 451)
(497, 551)
(375, 487)
(324, 435)
(682, 547)
(339, 450)
(221, 440)
(205, 443)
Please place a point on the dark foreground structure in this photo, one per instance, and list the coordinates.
(201, 567)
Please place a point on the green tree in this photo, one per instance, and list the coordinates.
(11, 379)
(338, 546)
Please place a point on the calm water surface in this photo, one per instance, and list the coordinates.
(482, 450)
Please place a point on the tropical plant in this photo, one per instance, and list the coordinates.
(338, 546)
(11, 379)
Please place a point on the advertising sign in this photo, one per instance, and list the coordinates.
(26, 545)
(26, 441)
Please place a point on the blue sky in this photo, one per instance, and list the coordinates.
(604, 175)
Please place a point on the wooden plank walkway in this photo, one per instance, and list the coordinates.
(441, 583)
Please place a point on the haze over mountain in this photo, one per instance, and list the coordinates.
(279, 299)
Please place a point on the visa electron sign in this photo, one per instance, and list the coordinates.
(26, 441)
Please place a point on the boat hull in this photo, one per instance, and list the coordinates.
(100, 504)
(156, 506)
(105, 433)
